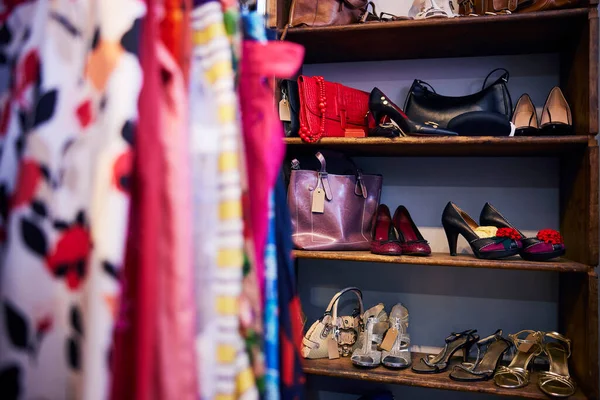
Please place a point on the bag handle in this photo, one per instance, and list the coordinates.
(355, 4)
(504, 77)
(290, 20)
(359, 188)
(424, 85)
(333, 304)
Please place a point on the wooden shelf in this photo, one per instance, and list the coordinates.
(538, 32)
(447, 146)
(443, 259)
(343, 368)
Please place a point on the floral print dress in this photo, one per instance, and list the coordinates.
(67, 125)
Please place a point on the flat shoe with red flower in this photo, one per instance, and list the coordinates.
(546, 245)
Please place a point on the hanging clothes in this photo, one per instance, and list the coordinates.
(72, 108)
(271, 314)
(292, 378)
(134, 356)
(175, 32)
(262, 129)
(224, 366)
(176, 313)
(264, 151)
(162, 329)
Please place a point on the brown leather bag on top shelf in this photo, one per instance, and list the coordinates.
(483, 7)
(325, 13)
(544, 5)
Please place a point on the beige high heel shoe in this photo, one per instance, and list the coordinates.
(556, 115)
(528, 345)
(525, 117)
(557, 381)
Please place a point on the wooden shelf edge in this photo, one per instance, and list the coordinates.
(457, 140)
(549, 15)
(442, 259)
(450, 146)
(343, 368)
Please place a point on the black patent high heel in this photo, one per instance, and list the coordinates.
(455, 221)
(390, 120)
(486, 362)
(434, 364)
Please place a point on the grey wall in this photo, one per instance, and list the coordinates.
(445, 299)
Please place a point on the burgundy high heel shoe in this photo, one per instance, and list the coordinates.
(391, 121)
(385, 238)
(484, 245)
(547, 244)
(411, 240)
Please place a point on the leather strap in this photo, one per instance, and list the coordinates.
(558, 336)
(360, 189)
(321, 159)
(333, 304)
(323, 177)
(355, 4)
(424, 85)
(453, 336)
(504, 77)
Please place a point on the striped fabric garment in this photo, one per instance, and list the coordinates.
(271, 316)
(223, 365)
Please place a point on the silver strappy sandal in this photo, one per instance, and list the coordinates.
(376, 323)
(399, 354)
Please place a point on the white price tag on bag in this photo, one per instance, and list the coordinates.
(318, 201)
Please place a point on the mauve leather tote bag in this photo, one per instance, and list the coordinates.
(332, 212)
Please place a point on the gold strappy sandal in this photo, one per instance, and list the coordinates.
(556, 381)
(528, 345)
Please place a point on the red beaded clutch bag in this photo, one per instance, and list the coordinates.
(328, 109)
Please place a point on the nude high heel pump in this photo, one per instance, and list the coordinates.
(525, 117)
(556, 115)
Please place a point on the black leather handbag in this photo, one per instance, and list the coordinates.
(290, 98)
(423, 105)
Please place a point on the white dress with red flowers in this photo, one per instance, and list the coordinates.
(67, 123)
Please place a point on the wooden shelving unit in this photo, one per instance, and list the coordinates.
(539, 32)
(446, 146)
(444, 259)
(573, 34)
(343, 368)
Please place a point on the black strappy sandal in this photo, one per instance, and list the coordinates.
(434, 364)
(486, 362)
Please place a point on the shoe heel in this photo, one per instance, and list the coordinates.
(452, 236)
(376, 115)
(466, 351)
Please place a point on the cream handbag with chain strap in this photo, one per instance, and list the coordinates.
(332, 336)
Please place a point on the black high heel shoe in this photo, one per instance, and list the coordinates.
(487, 361)
(434, 364)
(391, 121)
(455, 221)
